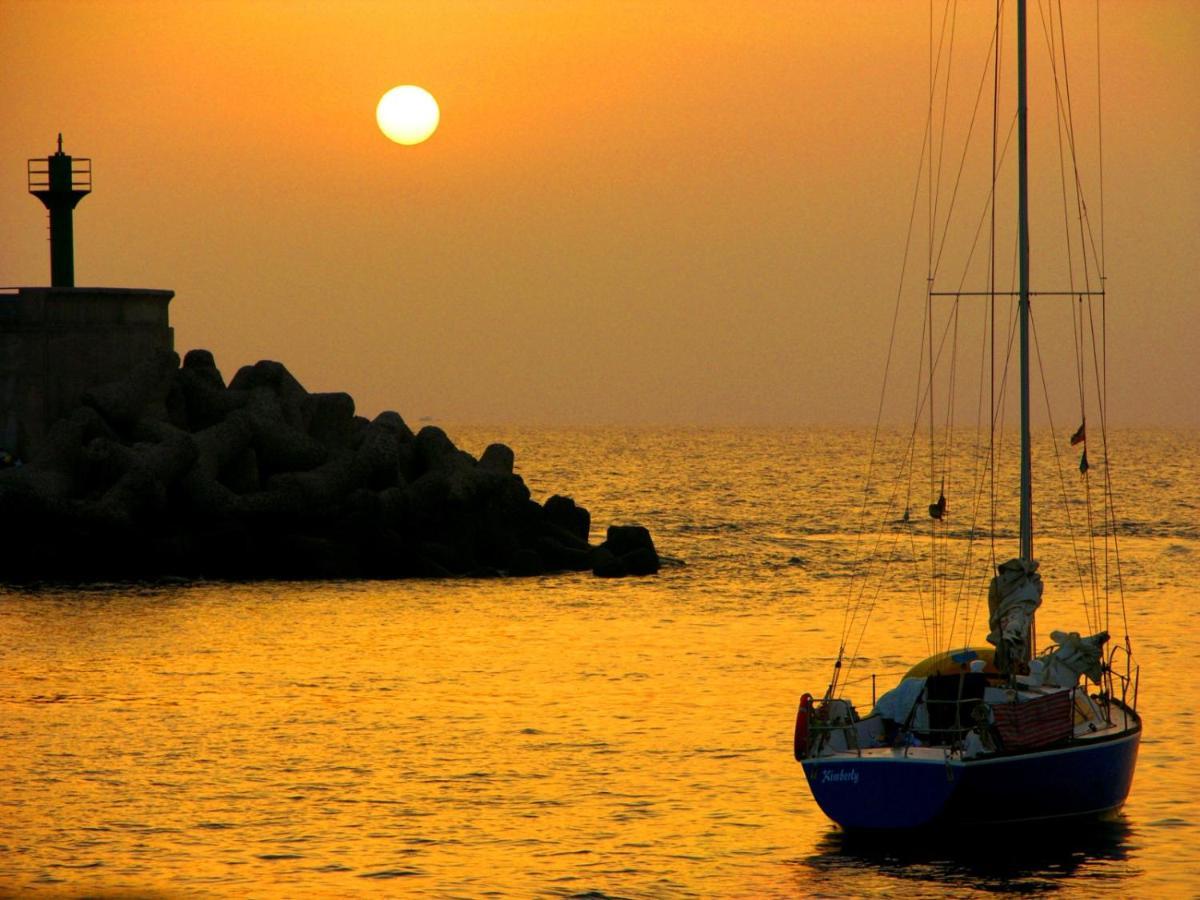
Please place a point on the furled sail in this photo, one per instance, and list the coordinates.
(1013, 597)
(1074, 656)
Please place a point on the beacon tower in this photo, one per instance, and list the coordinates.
(60, 182)
(58, 342)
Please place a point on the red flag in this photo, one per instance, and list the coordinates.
(1080, 435)
(1083, 464)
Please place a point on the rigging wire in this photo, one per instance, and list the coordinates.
(1111, 526)
(862, 609)
(935, 68)
(1099, 354)
(984, 465)
(991, 303)
(1064, 111)
(1080, 566)
(998, 411)
(1065, 123)
(1100, 365)
(847, 618)
(940, 549)
(926, 156)
(983, 217)
(867, 607)
(937, 260)
(949, 17)
(886, 549)
(1100, 140)
(948, 453)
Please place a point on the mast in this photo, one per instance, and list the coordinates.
(1026, 550)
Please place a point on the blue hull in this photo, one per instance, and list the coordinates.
(895, 791)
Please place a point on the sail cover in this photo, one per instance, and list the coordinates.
(1074, 656)
(1014, 596)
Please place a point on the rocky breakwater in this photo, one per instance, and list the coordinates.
(169, 471)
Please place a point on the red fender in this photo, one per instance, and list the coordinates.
(800, 740)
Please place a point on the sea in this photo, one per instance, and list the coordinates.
(562, 736)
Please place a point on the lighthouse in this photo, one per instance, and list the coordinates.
(58, 342)
(60, 182)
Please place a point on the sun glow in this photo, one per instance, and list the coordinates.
(407, 114)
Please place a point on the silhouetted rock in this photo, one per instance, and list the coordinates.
(57, 465)
(240, 474)
(525, 562)
(633, 547)
(331, 419)
(281, 445)
(274, 377)
(622, 539)
(434, 450)
(142, 392)
(205, 399)
(394, 423)
(436, 559)
(642, 561)
(218, 445)
(497, 458)
(563, 512)
(560, 556)
(606, 564)
(203, 366)
(168, 471)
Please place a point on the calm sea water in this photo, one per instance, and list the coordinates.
(561, 736)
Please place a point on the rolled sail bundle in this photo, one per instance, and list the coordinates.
(1013, 597)
(171, 472)
(1072, 657)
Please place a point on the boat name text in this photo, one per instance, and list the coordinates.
(831, 775)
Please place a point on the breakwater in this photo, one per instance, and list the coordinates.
(170, 471)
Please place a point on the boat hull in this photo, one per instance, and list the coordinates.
(890, 789)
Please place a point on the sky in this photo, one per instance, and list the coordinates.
(632, 212)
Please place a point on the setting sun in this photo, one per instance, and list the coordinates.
(407, 114)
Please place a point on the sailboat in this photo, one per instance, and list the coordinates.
(995, 733)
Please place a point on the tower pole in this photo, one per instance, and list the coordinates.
(60, 182)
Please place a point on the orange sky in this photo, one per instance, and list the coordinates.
(632, 212)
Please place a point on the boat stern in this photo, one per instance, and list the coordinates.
(883, 789)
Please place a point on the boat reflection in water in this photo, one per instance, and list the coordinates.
(1037, 859)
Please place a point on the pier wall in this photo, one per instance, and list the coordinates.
(56, 342)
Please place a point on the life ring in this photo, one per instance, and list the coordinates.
(800, 740)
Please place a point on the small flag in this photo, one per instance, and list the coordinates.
(1080, 435)
(938, 510)
(1083, 463)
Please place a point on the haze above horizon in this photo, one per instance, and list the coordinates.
(669, 213)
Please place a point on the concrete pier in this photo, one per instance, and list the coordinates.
(55, 342)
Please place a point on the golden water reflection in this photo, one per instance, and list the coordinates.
(553, 736)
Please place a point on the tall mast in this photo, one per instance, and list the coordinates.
(1023, 301)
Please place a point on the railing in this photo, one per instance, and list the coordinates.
(823, 732)
(1127, 680)
(946, 712)
(38, 173)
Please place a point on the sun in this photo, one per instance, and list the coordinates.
(407, 114)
